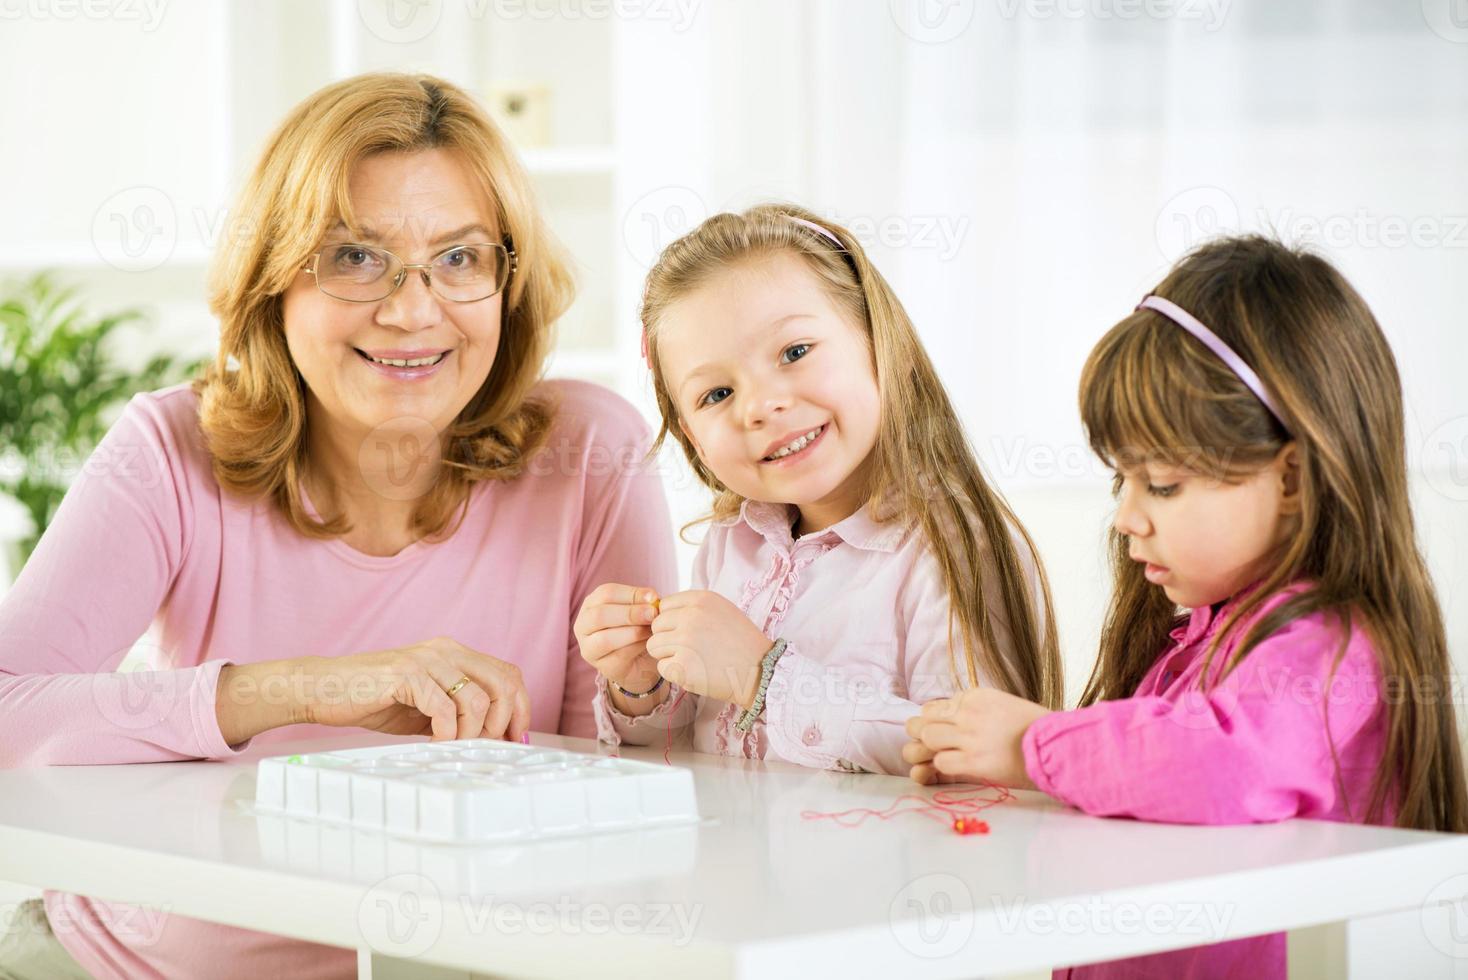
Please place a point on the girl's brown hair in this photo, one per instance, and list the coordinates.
(254, 416)
(1151, 391)
(923, 470)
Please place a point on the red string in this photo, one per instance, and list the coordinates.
(946, 806)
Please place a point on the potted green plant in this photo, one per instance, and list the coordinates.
(59, 379)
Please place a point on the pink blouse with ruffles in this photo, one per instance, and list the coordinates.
(865, 611)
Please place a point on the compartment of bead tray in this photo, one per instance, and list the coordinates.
(475, 790)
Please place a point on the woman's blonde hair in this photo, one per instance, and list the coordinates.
(254, 416)
(924, 473)
(1151, 391)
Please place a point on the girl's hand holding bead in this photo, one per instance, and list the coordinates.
(612, 630)
(704, 644)
(976, 735)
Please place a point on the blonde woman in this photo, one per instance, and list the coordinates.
(370, 512)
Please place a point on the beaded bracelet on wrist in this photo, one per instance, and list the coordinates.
(766, 671)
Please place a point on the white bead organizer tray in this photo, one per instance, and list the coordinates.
(475, 791)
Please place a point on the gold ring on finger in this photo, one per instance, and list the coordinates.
(457, 686)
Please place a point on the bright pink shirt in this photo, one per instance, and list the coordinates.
(1256, 747)
(145, 535)
(864, 609)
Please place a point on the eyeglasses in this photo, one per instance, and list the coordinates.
(366, 274)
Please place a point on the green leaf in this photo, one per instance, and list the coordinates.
(57, 383)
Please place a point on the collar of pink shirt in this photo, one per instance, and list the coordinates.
(774, 523)
(1203, 620)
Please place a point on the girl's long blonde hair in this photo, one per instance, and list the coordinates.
(924, 473)
(254, 416)
(1149, 388)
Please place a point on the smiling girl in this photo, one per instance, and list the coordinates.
(858, 563)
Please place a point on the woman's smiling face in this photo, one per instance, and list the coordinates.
(775, 387)
(416, 205)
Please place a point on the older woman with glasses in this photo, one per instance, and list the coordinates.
(370, 512)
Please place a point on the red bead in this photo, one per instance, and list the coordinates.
(964, 825)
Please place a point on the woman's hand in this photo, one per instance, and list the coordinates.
(704, 644)
(976, 735)
(400, 692)
(612, 630)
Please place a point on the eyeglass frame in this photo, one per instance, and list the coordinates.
(507, 245)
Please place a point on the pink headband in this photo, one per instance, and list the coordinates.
(646, 359)
(1214, 343)
(817, 229)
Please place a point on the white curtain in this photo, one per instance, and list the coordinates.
(1027, 169)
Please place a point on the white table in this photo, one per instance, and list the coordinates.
(753, 891)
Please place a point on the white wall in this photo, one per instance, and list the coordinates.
(1034, 166)
(1028, 169)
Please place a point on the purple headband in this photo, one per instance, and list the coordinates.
(1214, 343)
(646, 359)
